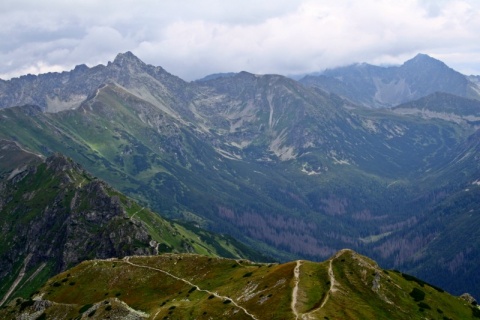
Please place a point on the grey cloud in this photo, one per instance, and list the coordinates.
(194, 38)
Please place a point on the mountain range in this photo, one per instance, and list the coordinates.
(297, 169)
(375, 86)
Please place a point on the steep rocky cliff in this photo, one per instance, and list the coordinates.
(55, 215)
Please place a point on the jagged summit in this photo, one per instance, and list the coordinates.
(55, 92)
(422, 60)
(81, 68)
(127, 58)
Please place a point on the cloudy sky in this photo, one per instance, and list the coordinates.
(193, 38)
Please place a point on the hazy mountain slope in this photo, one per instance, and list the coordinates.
(12, 157)
(444, 106)
(445, 242)
(54, 215)
(169, 175)
(246, 190)
(352, 82)
(267, 118)
(347, 286)
(374, 86)
(455, 248)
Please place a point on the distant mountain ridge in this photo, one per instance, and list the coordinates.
(374, 86)
(55, 92)
(362, 83)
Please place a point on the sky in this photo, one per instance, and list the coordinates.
(194, 38)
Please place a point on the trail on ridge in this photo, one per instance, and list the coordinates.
(126, 260)
(296, 277)
(332, 289)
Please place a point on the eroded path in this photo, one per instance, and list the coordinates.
(332, 284)
(332, 289)
(126, 260)
(296, 279)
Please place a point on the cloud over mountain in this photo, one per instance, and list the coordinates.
(193, 39)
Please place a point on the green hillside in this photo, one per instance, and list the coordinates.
(187, 286)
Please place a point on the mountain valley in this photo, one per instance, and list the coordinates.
(297, 170)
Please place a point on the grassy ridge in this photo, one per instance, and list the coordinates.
(186, 286)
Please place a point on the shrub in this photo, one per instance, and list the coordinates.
(417, 294)
(85, 308)
(421, 282)
(476, 312)
(423, 305)
(26, 304)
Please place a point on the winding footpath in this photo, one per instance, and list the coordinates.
(332, 289)
(309, 315)
(126, 260)
(296, 277)
(133, 215)
(332, 284)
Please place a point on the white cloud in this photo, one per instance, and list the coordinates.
(194, 38)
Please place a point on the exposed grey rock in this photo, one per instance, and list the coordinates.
(54, 92)
(468, 297)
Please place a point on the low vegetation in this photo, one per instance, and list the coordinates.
(184, 286)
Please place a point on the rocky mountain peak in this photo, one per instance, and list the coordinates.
(422, 56)
(81, 68)
(422, 60)
(127, 59)
(59, 163)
